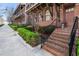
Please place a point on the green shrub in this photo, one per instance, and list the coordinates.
(77, 46)
(29, 37)
(28, 28)
(27, 34)
(47, 30)
(21, 26)
(77, 51)
(13, 26)
(24, 26)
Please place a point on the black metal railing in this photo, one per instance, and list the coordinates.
(73, 35)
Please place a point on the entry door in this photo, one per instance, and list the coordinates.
(69, 16)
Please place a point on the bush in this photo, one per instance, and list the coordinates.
(14, 26)
(21, 26)
(24, 26)
(29, 28)
(47, 30)
(28, 36)
(77, 46)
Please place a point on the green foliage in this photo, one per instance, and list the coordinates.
(14, 26)
(28, 36)
(77, 46)
(77, 50)
(21, 26)
(47, 30)
(29, 28)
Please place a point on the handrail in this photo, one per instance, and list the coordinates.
(72, 36)
(53, 21)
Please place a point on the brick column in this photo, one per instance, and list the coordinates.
(62, 14)
(43, 14)
(77, 14)
(55, 14)
(54, 11)
(77, 9)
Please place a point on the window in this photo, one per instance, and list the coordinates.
(48, 16)
(35, 19)
(40, 17)
(70, 9)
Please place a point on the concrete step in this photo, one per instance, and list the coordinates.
(53, 51)
(59, 43)
(56, 47)
(60, 36)
(59, 39)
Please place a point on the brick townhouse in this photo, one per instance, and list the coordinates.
(59, 14)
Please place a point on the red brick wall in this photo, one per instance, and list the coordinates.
(76, 9)
(69, 18)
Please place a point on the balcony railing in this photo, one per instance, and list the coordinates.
(30, 6)
(19, 13)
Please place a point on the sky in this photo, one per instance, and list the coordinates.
(6, 5)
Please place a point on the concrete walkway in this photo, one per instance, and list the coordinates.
(11, 44)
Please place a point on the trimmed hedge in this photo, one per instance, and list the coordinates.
(15, 27)
(28, 36)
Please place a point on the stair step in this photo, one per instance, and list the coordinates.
(60, 36)
(57, 43)
(56, 47)
(63, 45)
(53, 51)
(59, 39)
(61, 33)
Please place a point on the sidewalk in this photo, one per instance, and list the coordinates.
(12, 44)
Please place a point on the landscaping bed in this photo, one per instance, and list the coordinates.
(45, 32)
(15, 26)
(30, 37)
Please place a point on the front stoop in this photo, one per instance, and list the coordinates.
(57, 43)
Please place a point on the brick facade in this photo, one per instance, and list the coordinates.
(38, 13)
